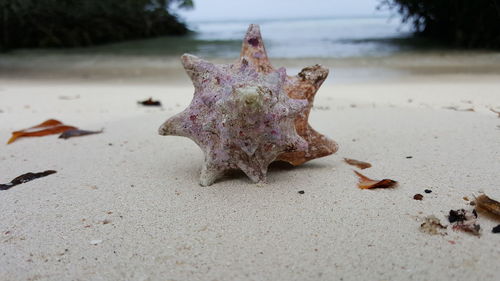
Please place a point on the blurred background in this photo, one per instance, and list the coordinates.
(141, 40)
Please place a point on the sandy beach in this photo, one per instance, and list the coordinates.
(126, 204)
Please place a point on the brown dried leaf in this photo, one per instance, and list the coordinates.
(48, 127)
(25, 178)
(367, 183)
(485, 204)
(360, 164)
(77, 133)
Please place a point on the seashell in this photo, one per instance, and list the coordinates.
(247, 114)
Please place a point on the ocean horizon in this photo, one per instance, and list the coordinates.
(327, 37)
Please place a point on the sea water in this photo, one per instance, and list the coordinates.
(306, 38)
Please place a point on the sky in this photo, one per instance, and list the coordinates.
(206, 10)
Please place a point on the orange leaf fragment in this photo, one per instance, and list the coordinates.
(360, 164)
(48, 127)
(367, 183)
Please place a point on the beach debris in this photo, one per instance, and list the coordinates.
(459, 109)
(418, 196)
(247, 114)
(77, 133)
(150, 102)
(301, 192)
(303, 86)
(367, 183)
(464, 220)
(487, 205)
(409, 157)
(25, 178)
(496, 229)
(428, 191)
(360, 164)
(48, 127)
(495, 111)
(433, 226)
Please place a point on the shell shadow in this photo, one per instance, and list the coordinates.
(275, 167)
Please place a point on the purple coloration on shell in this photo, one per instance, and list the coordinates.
(240, 118)
(253, 41)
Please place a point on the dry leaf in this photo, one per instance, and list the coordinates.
(150, 102)
(360, 164)
(77, 133)
(25, 178)
(486, 204)
(48, 127)
(367, 183)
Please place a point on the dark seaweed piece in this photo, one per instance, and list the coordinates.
(150, 102)
(496, 229)
(456, 216)
(302, 192)
(77, 133)
(26, 178)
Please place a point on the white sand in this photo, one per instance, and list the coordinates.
(164, 226)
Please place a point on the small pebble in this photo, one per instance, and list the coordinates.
(409, 157)
(302, 192)
(496, 229)
(418, 196)
(428, 191)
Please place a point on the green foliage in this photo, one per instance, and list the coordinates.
(464, 23)
(71, 23)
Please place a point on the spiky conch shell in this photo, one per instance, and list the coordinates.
(247, 115)
(240, 118)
